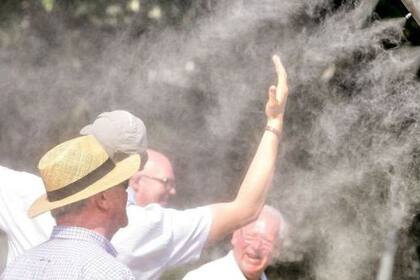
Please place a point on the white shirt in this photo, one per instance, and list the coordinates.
(154, 240)
(220, 269)
(18, 190)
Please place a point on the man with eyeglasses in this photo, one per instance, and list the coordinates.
(155, 183)
(254, 247)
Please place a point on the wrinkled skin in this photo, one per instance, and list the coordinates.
(255, 244)
(155, 183)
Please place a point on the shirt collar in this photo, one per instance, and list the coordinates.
(232, 259)
(264, 277)
(78, 233)
(131, 196)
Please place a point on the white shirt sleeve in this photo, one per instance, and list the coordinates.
(18, 190)
(157, 238)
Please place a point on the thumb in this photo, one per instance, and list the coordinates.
(272, 95)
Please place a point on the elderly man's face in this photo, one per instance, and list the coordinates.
(117, 206)
(156, 181)
(254, 244)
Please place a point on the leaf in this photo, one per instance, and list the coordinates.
(48, 5)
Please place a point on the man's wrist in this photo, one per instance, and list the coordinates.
(275, 126)
(273, 130)
(276, 123)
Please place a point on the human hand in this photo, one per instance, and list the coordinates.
(277, 96)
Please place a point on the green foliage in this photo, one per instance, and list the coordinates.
(48, 5)
(99, 13)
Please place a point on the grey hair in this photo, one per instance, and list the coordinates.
(277, 215)
(72, 208)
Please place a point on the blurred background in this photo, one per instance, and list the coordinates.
(197, 73)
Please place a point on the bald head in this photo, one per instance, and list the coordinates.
(255, 244)
(157, 164)
(155, 183)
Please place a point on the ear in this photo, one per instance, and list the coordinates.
(277, 249)
(235, 238)
(101, 200)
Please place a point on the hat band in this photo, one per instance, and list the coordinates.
(83, 182)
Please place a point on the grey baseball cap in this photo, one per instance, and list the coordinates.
(120, 132)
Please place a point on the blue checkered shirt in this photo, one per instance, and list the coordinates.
(70, 253)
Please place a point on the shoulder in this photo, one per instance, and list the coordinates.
(7, 173)
(105, 267)
(157, 238)
(155, 217)
(156, 210)
(19, 188)
(20, 182)
(210, 270)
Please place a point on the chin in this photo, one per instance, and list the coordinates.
(253, 274)
(123, 221)
(254, 268)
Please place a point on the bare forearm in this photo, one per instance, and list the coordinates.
(251, 196)
(253, 191)
(250, 199)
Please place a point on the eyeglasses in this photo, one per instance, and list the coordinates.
(168, 183)
(266, 245)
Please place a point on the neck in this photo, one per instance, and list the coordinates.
(252, 278)
(248, 277)
(88, 221)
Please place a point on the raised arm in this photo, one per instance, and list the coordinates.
(253, 191)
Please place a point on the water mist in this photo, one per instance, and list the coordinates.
(348, 170)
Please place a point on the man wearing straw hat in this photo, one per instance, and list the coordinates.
(86, 194)
(157, 238)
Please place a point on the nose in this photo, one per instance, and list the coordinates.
(256, 244)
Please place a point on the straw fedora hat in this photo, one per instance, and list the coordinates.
(78, 169)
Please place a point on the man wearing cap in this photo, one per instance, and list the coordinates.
(86, 194)
(154, 184)
(157, 238)
(253, 248)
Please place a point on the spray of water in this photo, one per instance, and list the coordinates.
(348, 161)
